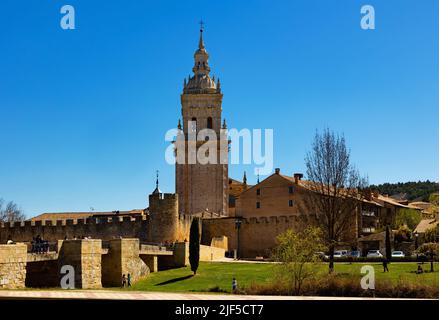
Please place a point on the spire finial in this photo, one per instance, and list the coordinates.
(258, 174)
(224, 124)
(244, 179)
(157, 189)
(179, 125)
(157, 179)
(201, 42)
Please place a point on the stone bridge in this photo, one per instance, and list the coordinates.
(96, 264)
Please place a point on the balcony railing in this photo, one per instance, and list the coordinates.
(368, 230)
(368, 213)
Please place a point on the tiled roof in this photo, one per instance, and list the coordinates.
(82, 215)
(425, 225)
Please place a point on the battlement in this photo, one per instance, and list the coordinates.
(67, 222)
(256, 220)
(53, 230)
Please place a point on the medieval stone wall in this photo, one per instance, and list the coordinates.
(13, 266)
(164, 224)
(50, 230)
(257, 235)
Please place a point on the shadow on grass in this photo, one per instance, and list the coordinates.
(174, 280)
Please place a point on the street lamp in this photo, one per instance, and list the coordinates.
(237, 227)
(416, 240)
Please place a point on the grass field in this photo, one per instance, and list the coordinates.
(220, 274)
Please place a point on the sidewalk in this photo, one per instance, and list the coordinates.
(113, 295)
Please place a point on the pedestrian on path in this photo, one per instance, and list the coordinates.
(385, 262)
(234, 285)
(124, 281)
(129, 280)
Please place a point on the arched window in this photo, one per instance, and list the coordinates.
(194, 124)
(209, 123)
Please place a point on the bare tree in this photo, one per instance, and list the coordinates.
(10, 212)
(336, 189)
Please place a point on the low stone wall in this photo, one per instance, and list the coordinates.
(13, 266)
(208, 253)
(220, 242)
(85, 256)
(122, 259)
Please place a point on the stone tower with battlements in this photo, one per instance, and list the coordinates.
(200, 186)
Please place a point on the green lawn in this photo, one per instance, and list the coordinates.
(220, 274)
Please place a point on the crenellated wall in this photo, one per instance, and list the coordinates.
(164, 224)
(51, 230)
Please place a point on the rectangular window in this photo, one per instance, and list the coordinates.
(290, 203)
(258, 192)
(290, 189)
(258, 205)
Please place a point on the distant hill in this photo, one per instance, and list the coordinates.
(419, 191)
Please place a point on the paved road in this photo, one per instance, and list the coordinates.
(132, 295)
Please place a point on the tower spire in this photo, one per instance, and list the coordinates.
(157, 189)
(244, 179)
(201, 41)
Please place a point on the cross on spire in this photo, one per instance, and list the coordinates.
(201, 25)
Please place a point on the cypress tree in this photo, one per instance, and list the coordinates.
(388, 245)
(194, 245)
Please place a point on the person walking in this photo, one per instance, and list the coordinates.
(234, 285)
(129, 280)
(385, 263)
(124, 281)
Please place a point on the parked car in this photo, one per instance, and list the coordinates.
(321, 255)
(340, 253)
(398, 254)
(374, 254)
(355, 254)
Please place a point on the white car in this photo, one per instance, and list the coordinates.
(374, 254)
(340, 253)
(398, 254)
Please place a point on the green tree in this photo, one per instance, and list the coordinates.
(194, 245)
(431, 250)
(432, 235)
(434, 198)
(403, 234)
(296, 253)
(388, 245)
(408, 217)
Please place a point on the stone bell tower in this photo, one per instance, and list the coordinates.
(202, 187)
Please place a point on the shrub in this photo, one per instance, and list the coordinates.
(296, 253)
(336, 286)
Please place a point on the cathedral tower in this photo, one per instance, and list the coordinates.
(202, 187)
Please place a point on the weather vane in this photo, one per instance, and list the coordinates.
(201, 25)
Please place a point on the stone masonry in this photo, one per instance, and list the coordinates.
(13, 266)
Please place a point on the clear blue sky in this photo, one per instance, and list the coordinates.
(84, 112)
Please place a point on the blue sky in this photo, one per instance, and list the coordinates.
(84, 112)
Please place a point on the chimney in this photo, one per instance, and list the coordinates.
(277, 170)
(297, 177)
